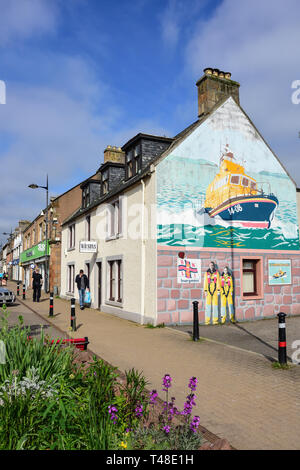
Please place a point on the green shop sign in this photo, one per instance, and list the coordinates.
(36, 251)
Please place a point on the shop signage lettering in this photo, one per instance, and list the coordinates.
(34, 252)
(88, 247)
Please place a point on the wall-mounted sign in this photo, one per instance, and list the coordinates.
(279, 272)
(188, 270)
(34, 252)
(88, 246)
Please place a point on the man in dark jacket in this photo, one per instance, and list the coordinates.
(82, 284)
(36, 284)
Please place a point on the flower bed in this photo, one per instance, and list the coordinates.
(56, 397)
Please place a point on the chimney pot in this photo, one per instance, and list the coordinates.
(208, 71)
(212, 89)
(114, 154)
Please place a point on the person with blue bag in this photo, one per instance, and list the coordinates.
(82, 282)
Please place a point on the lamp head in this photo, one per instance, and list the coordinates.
(33, 186)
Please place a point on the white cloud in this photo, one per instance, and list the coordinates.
(20, 19)
(259, 43)
(170, 24)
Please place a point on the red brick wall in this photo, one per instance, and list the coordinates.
(174, 301)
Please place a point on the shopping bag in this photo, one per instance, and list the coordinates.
(87, 298)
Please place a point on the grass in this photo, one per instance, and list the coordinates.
(160, 325)
(277, 365)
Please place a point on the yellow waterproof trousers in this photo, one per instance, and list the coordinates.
(211, 308)
(226, 301)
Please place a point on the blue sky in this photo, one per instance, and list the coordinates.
(82, 74)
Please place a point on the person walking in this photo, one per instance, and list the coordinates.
(82, 282)
(36, 284)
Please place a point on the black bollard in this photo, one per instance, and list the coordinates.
(18, 288)
(24, 295)
(281, 338)
(195, 321)
(73, 315)
(51, 305)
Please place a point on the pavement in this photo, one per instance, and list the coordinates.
(259, 336)
(240, 396)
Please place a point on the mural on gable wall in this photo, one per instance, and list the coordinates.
(223, 187)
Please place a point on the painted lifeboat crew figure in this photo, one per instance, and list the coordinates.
(226, 295)
(212, 289)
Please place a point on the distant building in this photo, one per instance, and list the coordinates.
(47, 257)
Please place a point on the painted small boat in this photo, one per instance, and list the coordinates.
(235, 197)
(279, 274)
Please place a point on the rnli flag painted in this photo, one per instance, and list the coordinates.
(188, 270)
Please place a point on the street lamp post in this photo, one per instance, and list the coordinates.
(35, 186)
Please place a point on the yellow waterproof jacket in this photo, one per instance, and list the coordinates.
(212, 282)
(226, 285)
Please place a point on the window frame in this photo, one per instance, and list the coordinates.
(258, 277)
(71, 278)
(114, 214)
(71, 237)
(114, 291)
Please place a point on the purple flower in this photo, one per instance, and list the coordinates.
(167, 382)
(193, 383)
(187, 409)
(153, 397)
(195, 424)
(113, 413)
(166, 429)
(139, 411)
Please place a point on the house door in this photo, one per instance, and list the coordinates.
(99, 284)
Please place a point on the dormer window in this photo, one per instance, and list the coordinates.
(105, 182)
(129, 164)
(86, 196)
(133, 161)
(137, 159)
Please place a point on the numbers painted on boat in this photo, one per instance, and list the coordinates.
(236, 208)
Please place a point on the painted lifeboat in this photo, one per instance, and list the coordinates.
(235, 197)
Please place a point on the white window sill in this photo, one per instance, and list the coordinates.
(114, 237)
(114, 303)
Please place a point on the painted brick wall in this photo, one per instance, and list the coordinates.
(174, 301)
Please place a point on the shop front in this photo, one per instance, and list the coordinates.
(35, 257)
(16, 270)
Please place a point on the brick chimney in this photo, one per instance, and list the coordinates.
(213, 86)
(114, 154)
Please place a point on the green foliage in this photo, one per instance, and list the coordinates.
(46, 402)
(23, 353)
(160, 325)
(49, 403)
(277, 365)
(154, 438)
(133, 392)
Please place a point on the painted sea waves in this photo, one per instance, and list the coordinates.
(181, 193)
